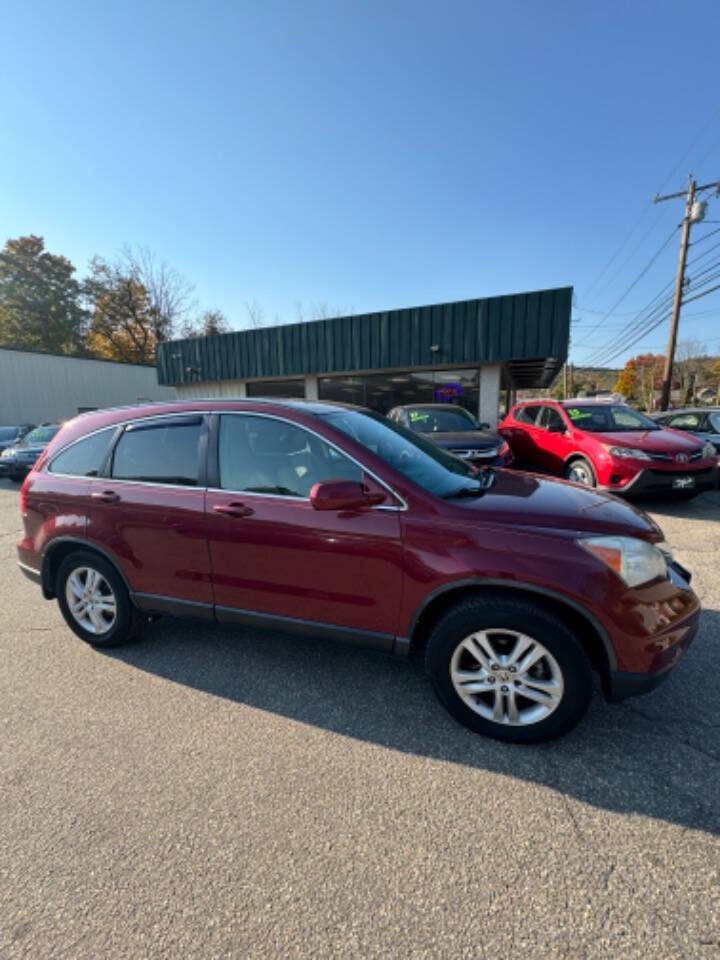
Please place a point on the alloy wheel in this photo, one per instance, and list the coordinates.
(91, 600)
(506, 677)
(580, 473)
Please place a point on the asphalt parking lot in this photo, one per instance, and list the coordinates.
(209, 793)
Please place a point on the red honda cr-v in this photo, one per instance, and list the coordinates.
(332, 520)
(608, 445)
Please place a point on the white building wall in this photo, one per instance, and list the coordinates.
(38, 387)
(489, 394)
(227, 389)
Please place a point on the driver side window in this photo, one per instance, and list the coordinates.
(260, 454)
(549, 417)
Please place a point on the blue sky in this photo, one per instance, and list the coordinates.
(368, 155)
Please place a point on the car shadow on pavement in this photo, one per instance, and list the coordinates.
(656, 756)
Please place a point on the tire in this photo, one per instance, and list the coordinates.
(565, 675)
(113, 619)
(580, 467)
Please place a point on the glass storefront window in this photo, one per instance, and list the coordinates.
(382, 392)
(279, 389)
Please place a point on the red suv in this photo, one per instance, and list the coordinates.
(610, 446)
(325, 519)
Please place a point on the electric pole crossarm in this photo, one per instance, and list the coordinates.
(673, 196)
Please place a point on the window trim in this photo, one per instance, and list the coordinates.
(213, 473)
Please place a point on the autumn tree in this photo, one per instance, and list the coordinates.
(40, 299)
(135, 304)
(640, 378)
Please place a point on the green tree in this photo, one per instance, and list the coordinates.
(40, 300)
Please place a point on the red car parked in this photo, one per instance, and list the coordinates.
(608, 445)
(332, 520)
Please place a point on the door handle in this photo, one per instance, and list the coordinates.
(105, 496)
(236, 510)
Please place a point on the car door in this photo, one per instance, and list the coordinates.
(516, 430)
(275, 556)
(551, 440)
(148, 512)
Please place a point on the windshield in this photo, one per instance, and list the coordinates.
(418, 459)
(599, 418)
(8, 433)
(41, 435)
(434, 420)
(715, 421)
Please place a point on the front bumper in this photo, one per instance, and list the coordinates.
(666, 481)
(666, 649)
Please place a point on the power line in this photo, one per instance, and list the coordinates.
(641, 317)
(636, 280)
(653, 321)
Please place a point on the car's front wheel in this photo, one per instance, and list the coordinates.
(509, 669)
(95, 602)
(580, 471)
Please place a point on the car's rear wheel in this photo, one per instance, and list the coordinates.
(95, 602)
(580, 471)
(509, 669)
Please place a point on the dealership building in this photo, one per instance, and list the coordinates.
(465, 352)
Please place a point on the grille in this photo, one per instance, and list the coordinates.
(670, 458)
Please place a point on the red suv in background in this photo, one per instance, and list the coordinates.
(608, 445)
(329, 520)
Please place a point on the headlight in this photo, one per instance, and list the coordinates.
(709, 450)
(626, 452)
(634, 561)
(7, 453)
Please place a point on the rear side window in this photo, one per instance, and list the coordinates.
(526, 414)
(159, 453)
(83, 458)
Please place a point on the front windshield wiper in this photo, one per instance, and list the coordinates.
(485, 481)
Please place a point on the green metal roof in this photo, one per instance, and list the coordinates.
(527, 332)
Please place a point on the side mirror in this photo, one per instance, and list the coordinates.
(343, 495)
(483, 426)
(557, 426)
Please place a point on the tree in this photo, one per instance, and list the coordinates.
(688, 365)
(40, 300)
(135, 304)
(626, 382)
(209, 324)
(640, 378)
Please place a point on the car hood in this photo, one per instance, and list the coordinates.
(464, 439)
(29, 448)
(652, 441)
(529, 500)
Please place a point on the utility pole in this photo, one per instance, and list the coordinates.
(691, 216)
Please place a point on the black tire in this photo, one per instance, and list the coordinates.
(128, 622)
(584, 465)
(525, 617)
